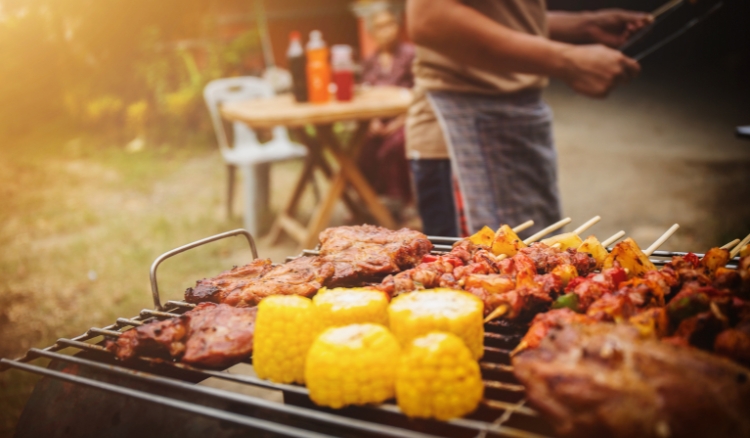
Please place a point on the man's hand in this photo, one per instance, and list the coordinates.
(594, 70)
(613, 27)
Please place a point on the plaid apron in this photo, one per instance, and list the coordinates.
(503, 157)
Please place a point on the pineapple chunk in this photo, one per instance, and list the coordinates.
(566, 240)
(506, 241)
(566, 273)
(592, 246)
(715, 258)
(745, 251)
(630, 257)
(483, 237)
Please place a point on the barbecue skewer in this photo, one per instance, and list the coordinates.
(588, 224)
(554, 227)
(733, 253)
(504, 308)
(614, 238)
(524, 226)
(663, 238)
(585, 226)
(730, 245)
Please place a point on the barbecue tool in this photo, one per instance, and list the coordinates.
(664, 12)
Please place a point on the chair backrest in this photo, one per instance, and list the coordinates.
(224, 90)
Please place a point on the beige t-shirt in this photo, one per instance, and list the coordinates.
(433, 71)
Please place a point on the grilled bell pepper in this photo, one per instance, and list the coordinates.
(569, 300)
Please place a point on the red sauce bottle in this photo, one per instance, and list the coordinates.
(343, 71)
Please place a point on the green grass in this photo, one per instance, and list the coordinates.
(81, 222)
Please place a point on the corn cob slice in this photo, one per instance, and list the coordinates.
(341, 306)
(352, 365)
(282, 337)
(438, 377)
(417, 313)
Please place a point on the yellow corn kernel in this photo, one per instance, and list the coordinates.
(341, 306)
(352, 365)
(438, 378)
(415, 314)
(282, 338)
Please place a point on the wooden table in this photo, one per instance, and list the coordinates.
(368, 103)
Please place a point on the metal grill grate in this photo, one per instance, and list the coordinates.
(503, 412)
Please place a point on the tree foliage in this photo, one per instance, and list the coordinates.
(112, 61)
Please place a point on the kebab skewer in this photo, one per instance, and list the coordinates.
(708, 310)
(536, 293)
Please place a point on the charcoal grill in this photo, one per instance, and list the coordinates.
(86, 392)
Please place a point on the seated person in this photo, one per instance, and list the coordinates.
(383, 159)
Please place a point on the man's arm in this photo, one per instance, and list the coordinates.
(468, 37)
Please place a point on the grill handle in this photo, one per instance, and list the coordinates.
(183, 248)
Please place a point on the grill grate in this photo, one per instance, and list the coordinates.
(503, 412)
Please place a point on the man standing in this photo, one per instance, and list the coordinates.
(479, 69)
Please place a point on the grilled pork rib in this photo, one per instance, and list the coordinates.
(367, 253)
(210, 335)
(605, 380)
(217, 288)
(349, 256)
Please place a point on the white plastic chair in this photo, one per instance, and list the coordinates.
(247, 153)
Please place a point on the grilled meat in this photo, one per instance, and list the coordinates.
(210, 335)
(605, 380)
(301, 276)
(547, 258)
(368, 253)
(217, 288)
(734, 343)
(349, 256)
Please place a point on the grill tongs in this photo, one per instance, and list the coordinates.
(661, 14)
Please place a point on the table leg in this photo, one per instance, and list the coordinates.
(322, 215)
(315, 144)
(285, 220)
(351, 173)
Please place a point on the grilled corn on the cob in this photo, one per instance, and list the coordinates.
(352, 365)
(418, 313)
(438, 377)
(341, 306)
(282, 337)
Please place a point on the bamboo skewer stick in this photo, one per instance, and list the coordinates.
(614, 238)
(585, 226)
(738, 248)
(731, 244)
(497, 313)
(518, 228)
(660, 241)
(554, 227)
(588, 224)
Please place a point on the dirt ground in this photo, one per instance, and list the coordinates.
(82, 218)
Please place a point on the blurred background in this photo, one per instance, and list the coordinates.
(108, 157)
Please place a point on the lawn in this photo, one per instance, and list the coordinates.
(82, 220)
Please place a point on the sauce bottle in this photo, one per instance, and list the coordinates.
(343, 71)
(297, 65)
(318, 70)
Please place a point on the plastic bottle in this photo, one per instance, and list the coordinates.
(297, 65)
(343, 71)
(318, 70)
